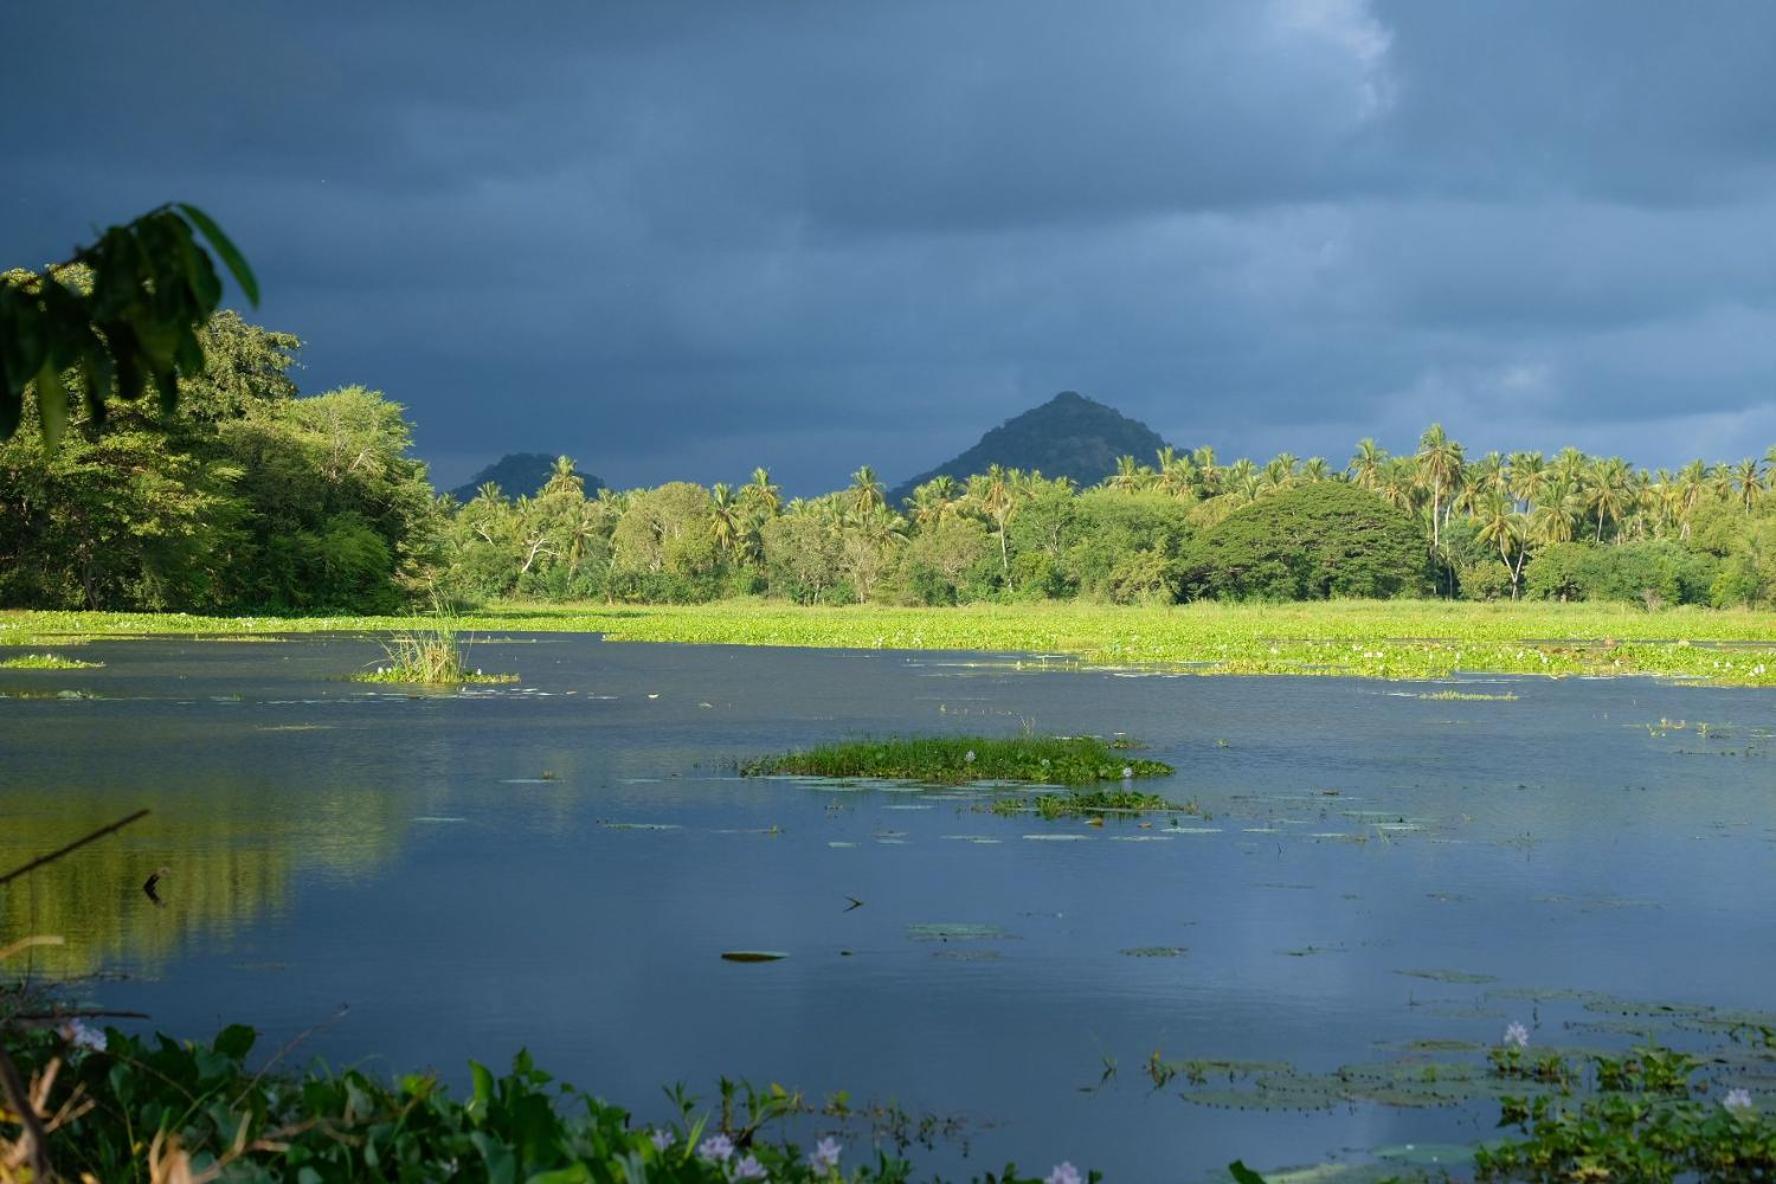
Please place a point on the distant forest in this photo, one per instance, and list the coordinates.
(249, 497)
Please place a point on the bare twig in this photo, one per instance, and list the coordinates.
(15, 873)
(19, 1101)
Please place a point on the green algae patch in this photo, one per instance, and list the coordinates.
(959, 760)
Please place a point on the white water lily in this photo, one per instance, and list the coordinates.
(1517, 1036)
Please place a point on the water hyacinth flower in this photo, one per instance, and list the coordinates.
(716, 1149)
(82, 1036)
(968, 757)
(749, 1168)
(661, 1139)
(1517, 1036)
(1738, 1100)
(1127, 772)
(825, 1156)
(1064, 1173)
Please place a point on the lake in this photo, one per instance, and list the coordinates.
(559, 864)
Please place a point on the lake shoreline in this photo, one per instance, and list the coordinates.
(1395, 640)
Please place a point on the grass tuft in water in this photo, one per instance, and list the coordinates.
(955, 760)
(47, 662)
(429, 654)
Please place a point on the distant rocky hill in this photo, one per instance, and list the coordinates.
(1068, 436)
(519, 474)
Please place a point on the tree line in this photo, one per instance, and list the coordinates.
(247, 496)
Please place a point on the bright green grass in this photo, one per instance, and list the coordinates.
(953, 760)
(1372, 639)
(47, 662)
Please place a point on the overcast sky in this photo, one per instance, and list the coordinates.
(683, 240)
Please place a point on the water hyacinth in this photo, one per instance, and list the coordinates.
(968, 757)
(1739, 1101)
(716, 1149)
(749, 1168)
(81, 1036)
(1127, 772)
(825, 1156)
(1517, 1036)
(661, 1139)
(1064, 1173)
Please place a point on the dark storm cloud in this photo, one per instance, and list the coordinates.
(684, 239)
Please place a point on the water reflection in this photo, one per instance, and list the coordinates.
(561, 865)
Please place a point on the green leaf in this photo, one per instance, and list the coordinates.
(235, 1041)
(576, 1174)
(52, 404)
(483, 1079)
(1244, 1174)
(224, 247)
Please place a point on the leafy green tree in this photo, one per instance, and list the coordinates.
(1313, 542)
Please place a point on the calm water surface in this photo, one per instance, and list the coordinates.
(559, 864)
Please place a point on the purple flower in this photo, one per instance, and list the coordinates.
(716, 1148)
(749, 1168)
(81, 1036)
(661, 1139)
(1064, 1173)
(825, 1156)
(1738, 1100)
(1517, 1036)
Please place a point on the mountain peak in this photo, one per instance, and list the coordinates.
(1068, 436)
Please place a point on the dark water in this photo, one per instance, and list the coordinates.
(448, 867)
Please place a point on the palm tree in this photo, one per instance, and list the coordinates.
(866, 490)
(935, 500)
(1177, 475)
(1529, 477)
(1748, 483)
(1316, 469)
(725, 518)
(995, 493)
(1208, 472)
(763, 496)
(1439, 468)
(1608, 492)
(1502, 526)
(1128, 476)
(1692, 484)
(1366, 465)
(1280, 472)
(1398, 483)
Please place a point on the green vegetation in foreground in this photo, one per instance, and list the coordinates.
(1397, 639)
(47, 662)
(953, 760)
(169, 1110)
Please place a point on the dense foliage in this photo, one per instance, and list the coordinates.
(122, 1108)
(243, 496)
(249, 497)
(1570, 528)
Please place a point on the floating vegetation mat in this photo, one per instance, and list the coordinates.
(963, 760)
